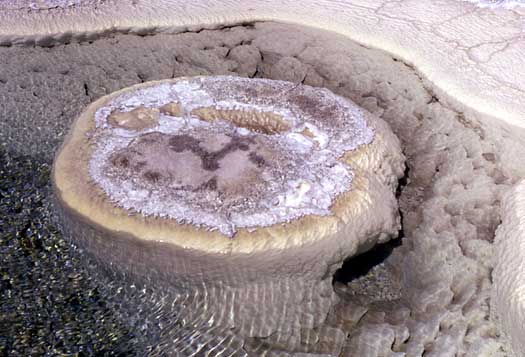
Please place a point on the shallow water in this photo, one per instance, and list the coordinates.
(49, 304)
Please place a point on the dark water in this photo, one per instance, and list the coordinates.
(49, 303)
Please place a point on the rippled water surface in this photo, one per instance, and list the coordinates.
(49, 303)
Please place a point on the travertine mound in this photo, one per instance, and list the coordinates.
(230, 189)
(240, 153)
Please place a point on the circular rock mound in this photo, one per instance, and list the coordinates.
(232, 183)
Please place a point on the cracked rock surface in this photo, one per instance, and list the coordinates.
(437, 302)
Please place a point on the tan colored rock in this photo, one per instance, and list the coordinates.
(173, 109)
(136, 119)
(262, 122)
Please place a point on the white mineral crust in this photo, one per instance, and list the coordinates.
(312, 180)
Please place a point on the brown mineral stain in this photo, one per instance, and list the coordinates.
(260, 122)
(137, 119)
(314, 107)
(173, 109)
(257, 159)
(184, 162)
(152, 176)
(210, 160)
